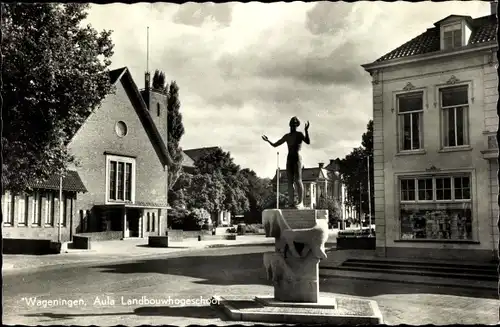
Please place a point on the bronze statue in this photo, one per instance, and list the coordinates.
(294, 141)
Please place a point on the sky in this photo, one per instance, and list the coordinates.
(244, 69)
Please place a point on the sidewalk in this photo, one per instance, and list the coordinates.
(118, 250)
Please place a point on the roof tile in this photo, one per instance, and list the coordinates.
(71, 182)
(484, 30)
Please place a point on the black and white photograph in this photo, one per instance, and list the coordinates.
(250, 163)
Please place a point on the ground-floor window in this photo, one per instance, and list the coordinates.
(22, 210)
(8, 201)
(436, 207)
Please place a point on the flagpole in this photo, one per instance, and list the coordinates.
(278, 181)
(60, 209)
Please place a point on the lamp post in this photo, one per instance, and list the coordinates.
(60, 208)
(278, 181)
(369, 197)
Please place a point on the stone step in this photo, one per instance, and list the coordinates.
(423, 268)
(418, 272)
(427, 263)
(487, 286)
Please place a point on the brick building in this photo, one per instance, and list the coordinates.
(121, 176)
(435, 119)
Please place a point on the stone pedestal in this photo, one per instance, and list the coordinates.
(304, 287)
(296, 279)
(293, 269)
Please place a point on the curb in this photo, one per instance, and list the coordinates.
(11, 270)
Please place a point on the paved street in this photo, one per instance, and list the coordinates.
(110, 294)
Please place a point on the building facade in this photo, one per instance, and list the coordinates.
(434, 112)
(121, 149)
(37, 214)
(319, 183)
(120, 178)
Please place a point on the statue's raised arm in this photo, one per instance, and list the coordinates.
(280, 142)
(294, 140)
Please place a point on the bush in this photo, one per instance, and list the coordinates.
(177, 217)
(231, 230)
(189, 220)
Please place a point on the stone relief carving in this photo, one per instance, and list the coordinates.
(409, 87)
(295, 249)
(492, 142)
(375, 77)
(432, 168)
(452, 80)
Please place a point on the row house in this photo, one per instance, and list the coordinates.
(435, 154)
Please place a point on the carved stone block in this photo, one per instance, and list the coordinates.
(300, 245)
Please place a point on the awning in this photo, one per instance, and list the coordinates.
(71, 183)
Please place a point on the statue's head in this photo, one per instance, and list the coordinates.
(294, 122)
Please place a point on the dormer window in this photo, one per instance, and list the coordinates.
(455, 31)
(452, 36)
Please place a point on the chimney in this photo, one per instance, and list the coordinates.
(493, 6)
(321, 165)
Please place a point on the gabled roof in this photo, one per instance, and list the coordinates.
(332, 166)
(467, 18)
(123, 75)
(71, 182)
(196, 154)
(483, 31)
(186, 160)
(308, 175)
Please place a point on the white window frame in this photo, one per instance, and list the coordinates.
(466, 107)
(22, 213)
(35, 212)
(452, 174)
(124, 160)
(8, 209)
(48, 215)
(450, 27)
(434, 189)
(399, 126)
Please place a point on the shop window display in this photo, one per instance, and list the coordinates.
(436, 208)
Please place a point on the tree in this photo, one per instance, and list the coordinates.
(258, 190)
(177, 196)
(175, 132)
(233, 183)
(54, 74)
(206, 191)
(334, 209)
(354, 171)
(159, 82)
